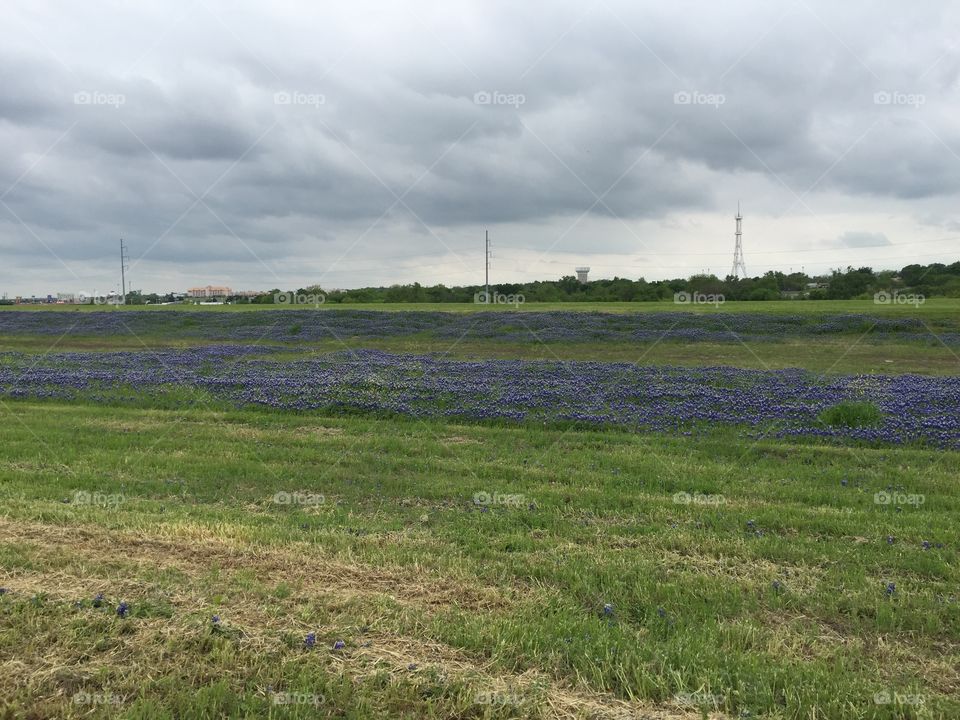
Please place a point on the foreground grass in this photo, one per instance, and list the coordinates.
(762, 588)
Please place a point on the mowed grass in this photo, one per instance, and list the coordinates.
(743, 579)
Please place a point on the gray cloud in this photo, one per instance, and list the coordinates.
(300, 131)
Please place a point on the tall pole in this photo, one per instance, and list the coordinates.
(123, 275)
(487, 263)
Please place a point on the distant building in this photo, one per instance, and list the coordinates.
(210, 291)
(582, 273)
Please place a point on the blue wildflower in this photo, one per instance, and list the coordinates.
(310, 640)
(608, 609)
(123, 609)
(215, 620)
(891, 588)
(891, 539)
(98, 600)
(339, 645)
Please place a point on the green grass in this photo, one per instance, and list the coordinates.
(933, 308)
(852, 414)
(746, 577)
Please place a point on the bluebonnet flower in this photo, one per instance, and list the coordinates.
(661, 612)
(98, 600)
(891, 539)
(310, 640)
(339, 645)
(891, 588)
(215, 620)
(777, 586)
(608, 609)
(926, 544)
(843, 482)
(123, 609)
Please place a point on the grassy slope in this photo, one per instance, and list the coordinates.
(437, 601)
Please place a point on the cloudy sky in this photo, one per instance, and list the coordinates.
(283, 144)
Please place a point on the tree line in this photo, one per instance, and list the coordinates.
(935, 280)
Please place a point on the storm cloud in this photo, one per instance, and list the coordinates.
(282, 144)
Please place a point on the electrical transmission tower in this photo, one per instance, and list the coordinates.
(739, 267)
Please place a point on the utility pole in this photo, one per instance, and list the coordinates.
(123, 273)
(487, 264)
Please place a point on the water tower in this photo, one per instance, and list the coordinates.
(582, 273)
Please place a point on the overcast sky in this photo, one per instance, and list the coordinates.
(284, 144)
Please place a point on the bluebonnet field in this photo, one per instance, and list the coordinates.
(508, 326)
(665, 399)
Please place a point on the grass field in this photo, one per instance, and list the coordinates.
(931, 307)
(189, 559)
